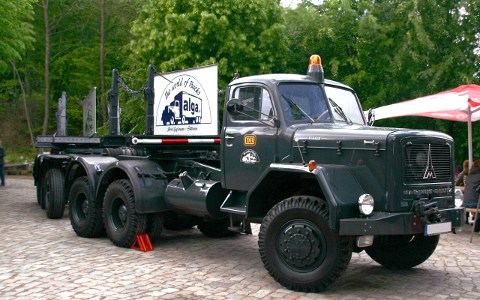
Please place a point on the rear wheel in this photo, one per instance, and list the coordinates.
(402, 251)
(215, 228)
(299, 249)
(155, 225)
(85, 210)
(54, 193)
(122, 222)
(40, 194)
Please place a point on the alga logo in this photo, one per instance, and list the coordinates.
(184, 102)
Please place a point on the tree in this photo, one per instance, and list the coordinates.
(244, 36)
(17, 33)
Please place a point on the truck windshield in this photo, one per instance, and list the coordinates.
(303, 102)
(344, 105)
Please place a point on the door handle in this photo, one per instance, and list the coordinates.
(228, 140)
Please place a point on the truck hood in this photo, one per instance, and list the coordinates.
(342, 137)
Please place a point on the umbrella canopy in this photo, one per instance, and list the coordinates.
(459, 104)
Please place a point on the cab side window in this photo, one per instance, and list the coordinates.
(256, 103)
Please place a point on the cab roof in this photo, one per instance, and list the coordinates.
(275, 79)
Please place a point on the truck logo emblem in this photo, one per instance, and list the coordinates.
(249, 157)
(429, 170)
(185, 103)
(249, 140)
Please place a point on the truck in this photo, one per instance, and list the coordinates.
(185, 108)
(295, 154)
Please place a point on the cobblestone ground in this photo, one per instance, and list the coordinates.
(44, 259)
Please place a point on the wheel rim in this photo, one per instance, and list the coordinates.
(81, 207)
(119, 214)
(301, 245)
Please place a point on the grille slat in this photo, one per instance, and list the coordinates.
(427, 162)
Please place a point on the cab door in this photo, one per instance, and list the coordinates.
(249, 137)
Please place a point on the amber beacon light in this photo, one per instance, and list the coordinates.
(315, 69)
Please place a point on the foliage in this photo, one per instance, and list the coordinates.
(392, 50)
(239, 36)
(16, 35)
(387, 50)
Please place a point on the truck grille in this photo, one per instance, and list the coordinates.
(427, 162)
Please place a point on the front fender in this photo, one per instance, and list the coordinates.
(336, 184)
(148, 182)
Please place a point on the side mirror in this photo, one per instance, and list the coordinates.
(234, 107)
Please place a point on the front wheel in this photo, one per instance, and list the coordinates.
(299, 249)
(402, 251)
(122, 222)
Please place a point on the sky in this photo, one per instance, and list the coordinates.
(293, 3)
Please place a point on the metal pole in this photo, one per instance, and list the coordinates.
(149, 99)
(114, 125)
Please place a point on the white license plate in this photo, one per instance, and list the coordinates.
(437, 228)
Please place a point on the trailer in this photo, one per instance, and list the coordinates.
(294, 154)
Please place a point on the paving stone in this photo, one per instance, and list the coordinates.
(44, 259)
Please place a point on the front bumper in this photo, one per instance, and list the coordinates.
(384, 223)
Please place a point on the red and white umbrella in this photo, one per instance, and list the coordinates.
(459, 104)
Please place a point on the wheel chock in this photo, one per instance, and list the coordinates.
(142, 243)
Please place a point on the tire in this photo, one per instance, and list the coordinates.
(40, 195)
(402, 252)
(54, 193)
(85, 210)
(215, 229)
(155, 226)
(299, 249)
(178, 221)
(122, 223)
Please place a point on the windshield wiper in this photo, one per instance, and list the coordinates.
(293, 104)
(339, 111)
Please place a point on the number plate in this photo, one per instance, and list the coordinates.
(437, 228)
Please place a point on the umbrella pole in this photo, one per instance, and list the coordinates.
(470, 147)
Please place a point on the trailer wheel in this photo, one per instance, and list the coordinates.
(178, 221)
(299, 249)
(172, 121)
(40, 195)
(155, 225)
(184, 121)
(402, 252)
(54, 193)
(85, 210)
(215, 228)
(122, 223)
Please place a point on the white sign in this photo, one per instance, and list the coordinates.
(186, 102)
(90, 113)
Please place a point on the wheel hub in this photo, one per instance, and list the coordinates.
(299, 246)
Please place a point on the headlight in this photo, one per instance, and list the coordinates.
(365, 204)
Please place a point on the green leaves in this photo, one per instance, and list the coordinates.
(242, 36)
(16, 34)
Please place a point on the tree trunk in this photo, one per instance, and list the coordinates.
(102, 63)
(47, 66)
(25, 106)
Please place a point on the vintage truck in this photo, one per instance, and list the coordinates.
(294, 154)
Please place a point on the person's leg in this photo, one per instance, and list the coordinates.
(2, 176)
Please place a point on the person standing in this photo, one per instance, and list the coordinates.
(2, 174)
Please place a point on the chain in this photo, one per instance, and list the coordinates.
(129, 90)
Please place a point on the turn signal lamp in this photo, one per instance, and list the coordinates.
(315, 69)
(311, 165)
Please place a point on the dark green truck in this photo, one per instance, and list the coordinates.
(294, 154)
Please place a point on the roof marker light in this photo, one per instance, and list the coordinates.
(315, 69)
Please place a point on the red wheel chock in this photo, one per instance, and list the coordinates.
(142, 243)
